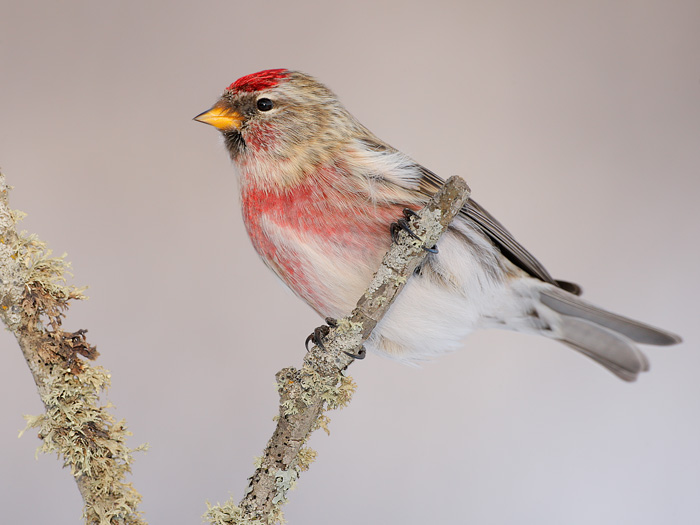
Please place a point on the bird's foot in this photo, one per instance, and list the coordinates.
(316, 337)
(402, 224)
(319, 333)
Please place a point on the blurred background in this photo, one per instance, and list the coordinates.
(577, 124)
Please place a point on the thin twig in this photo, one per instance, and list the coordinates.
(320, 384)
(33, 301)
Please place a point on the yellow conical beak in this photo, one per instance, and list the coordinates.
(225, 119)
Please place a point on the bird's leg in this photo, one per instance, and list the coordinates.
(402, 224)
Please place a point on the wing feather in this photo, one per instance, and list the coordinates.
(429, 183)
(498, 234)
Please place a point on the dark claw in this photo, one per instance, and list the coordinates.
(402, 224)
(332, 322)
(317, 337)
(408, 213)
(394, 229)
(359, 355)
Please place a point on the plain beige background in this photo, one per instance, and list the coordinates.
(576, 123)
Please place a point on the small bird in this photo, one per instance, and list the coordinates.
(319, 192)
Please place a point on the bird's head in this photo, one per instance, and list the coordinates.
(280, 115)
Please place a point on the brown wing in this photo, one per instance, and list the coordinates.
(501, 237)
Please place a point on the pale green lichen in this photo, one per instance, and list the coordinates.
(432, 227)
(285, 480)
(231, 514)
(298, 394)
(90, 442)
(299, 390)
(381, 276)
(228, 514)
(334, 392)
(336, 397)
(306, 456)
(322, 422)
(341, 393)
(33, 299)
(34, 308)
(11, 271)
(290, 407)
(347, 334)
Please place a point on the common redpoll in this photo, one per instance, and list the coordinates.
(319, 192)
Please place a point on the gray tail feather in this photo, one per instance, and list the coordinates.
(603, 336)
(614, 351)
(567, 304)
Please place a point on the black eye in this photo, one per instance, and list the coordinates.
(265, 104)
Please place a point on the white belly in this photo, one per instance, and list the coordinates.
(460, 289)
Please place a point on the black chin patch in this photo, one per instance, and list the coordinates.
(234, 143)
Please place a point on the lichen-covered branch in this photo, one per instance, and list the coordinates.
(33, 301)
(320, 384)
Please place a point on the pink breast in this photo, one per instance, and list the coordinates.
(351, 226)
